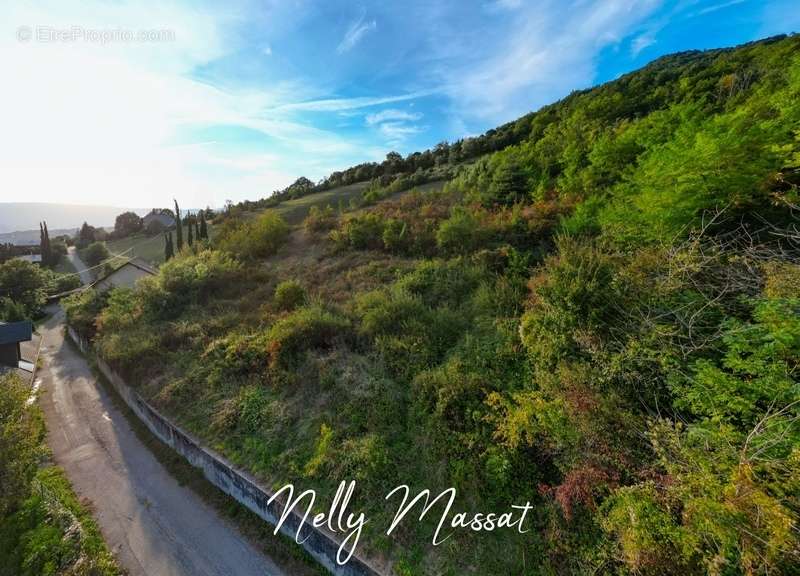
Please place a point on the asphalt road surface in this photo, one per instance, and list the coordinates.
(86, 275)
(154, 526)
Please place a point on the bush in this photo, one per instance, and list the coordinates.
(363, 232)
(442, 282)
(81, 309)
(64, 283)
(188, 279)
(459, 234)
(305, 329)
(11, 311)
(396, 236)
(572, 293)
(289, 294)
(254, 239)
(320, 219)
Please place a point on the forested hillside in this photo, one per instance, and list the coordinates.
(599, 313)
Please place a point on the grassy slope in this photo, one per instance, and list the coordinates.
(148, 248)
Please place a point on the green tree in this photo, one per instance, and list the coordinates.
(96, 253)
(24, 283)
(189, 229)
(169, 251)
(203, 226)
(178, 227)
(127, 223)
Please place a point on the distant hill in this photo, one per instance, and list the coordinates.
(23, 216)
(26, 237)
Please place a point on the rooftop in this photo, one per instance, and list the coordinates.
(12, 332)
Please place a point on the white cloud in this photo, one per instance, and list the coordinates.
(392, 114)
(355, 33)
(641, 42)
(716, 7)
(342, 104)
(92, 123)
(549, 49)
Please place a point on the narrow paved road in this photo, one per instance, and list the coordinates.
(72, 255)
(154, 526)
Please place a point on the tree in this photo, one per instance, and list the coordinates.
(508, 184)
(96, 253)
(189, 227)
(86, 235)
(169, 251)
(127, 223)
(178, 226)
(25, 284)
(203, 226)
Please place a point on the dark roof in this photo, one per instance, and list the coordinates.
(15, 332)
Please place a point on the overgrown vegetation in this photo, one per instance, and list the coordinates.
(43, 527)
(24, 288)
(599, 314)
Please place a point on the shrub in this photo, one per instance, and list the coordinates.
(289, 294)
(320, 219)
(362, 232)
(81, 309)
(459, 234)
(573, 292)
(396, 237)
(188, 279)
(258, 238)
(442, 282)
(304, 329)
(11, 311)
(64, 283)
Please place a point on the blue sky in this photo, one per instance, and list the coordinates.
(240, 98)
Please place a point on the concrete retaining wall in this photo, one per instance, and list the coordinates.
(224, 476)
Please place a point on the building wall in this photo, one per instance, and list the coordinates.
(9, 354)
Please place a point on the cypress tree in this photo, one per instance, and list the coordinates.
(197, 228)
(47, 254)
(179, 226)
(203, 227)
(169, 252)
(41, 240)
(189, 227)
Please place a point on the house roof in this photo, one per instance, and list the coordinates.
(12, 332)
(165, 219)
(135, 262)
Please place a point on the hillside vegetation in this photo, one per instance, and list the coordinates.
(599, 313)
(44, 529)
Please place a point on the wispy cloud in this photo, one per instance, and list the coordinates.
(392, 114)
(548, 49)
(642, 41)
(341, 104)
(720, 6)
(355, 33)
